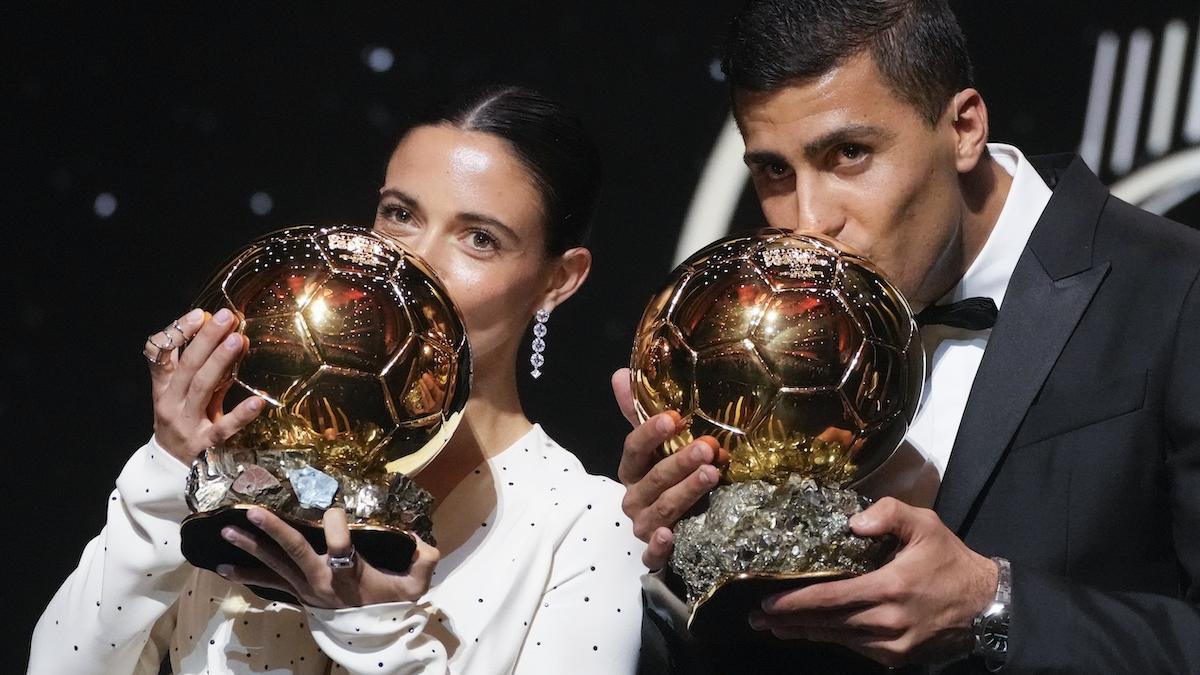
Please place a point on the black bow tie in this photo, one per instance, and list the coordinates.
(971, 314)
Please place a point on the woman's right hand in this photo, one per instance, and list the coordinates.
(188, 385)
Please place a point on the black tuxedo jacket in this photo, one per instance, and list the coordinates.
(1078, 454)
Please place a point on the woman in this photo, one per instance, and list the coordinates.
(535, 572)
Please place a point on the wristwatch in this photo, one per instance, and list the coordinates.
(991, 625)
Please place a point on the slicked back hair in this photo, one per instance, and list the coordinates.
(917, 45)
(551, 143)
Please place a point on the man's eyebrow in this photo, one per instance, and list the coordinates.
(763, 157)
(850, 133)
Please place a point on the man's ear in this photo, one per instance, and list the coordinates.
(570, 271)
(969, 122)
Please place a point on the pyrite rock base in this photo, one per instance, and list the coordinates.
(758, 538)
(203, 546)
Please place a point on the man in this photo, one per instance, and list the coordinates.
(1052, 476)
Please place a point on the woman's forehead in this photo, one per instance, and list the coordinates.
(446, 147)
(463, 171)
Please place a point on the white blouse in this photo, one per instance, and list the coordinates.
(546, 583)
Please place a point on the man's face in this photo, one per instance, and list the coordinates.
(841, 155)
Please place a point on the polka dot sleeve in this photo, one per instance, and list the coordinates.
(128, 578)
(590, 616)
(385, 638)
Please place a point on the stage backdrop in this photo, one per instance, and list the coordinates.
(144, 145)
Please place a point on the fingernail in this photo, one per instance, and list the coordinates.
(233, 341)
(223, 316)
(224, 570)
(701, 452)
(666, 424)
(756, 622)
(662, 537)
(228, 534)
(194, 317)
(708, 475)
(859, 520)
(255, 404)
(255, 516)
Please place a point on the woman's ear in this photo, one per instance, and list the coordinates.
(570, 271)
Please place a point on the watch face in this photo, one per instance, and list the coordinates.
(995, 634)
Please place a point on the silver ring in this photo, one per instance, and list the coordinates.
(183, 338)
(341, 562)
(163, 353)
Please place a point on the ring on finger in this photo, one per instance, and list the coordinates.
(161, 353)
(341, 562)
(183, 338)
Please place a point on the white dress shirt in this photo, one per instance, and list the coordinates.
(952, 355)
(547, 583)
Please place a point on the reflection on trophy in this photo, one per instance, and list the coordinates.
(365, 367)
(806, 365)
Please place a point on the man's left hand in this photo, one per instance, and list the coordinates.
(916, 608)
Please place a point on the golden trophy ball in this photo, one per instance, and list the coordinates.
(805, 363)
(365, 368)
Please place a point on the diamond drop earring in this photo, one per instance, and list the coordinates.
(539, 344)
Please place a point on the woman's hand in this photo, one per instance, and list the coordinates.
(188, 386)
(294, 567)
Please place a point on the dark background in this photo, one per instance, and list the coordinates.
(182, 112)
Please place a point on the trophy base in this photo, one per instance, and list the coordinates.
(755, 538)
(721, 614)
(204, 547)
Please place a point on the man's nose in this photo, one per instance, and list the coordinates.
(816, 213)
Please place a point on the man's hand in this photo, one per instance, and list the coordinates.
(659, 491)
(916, 608)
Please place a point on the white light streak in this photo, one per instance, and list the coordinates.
(1166, 88)
(716, 195)
(1133, 91)
(1191, 126)
(1099, 99)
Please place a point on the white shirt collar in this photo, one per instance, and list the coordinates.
(988, 274)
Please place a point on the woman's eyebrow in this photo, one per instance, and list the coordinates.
(483, 219)
(408, 199)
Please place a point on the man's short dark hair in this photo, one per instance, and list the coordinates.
(917, 45)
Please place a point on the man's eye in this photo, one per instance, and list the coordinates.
(776, 171)
(853, 152)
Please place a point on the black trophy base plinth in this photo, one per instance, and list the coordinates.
(204, 547)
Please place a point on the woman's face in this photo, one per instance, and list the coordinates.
(463, 201)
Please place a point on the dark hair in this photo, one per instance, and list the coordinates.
(917, 45)
(550, 142)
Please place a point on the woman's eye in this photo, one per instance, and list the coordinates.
(484, 241)
(395, 213)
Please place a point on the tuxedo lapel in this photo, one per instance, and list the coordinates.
(1050, 288)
